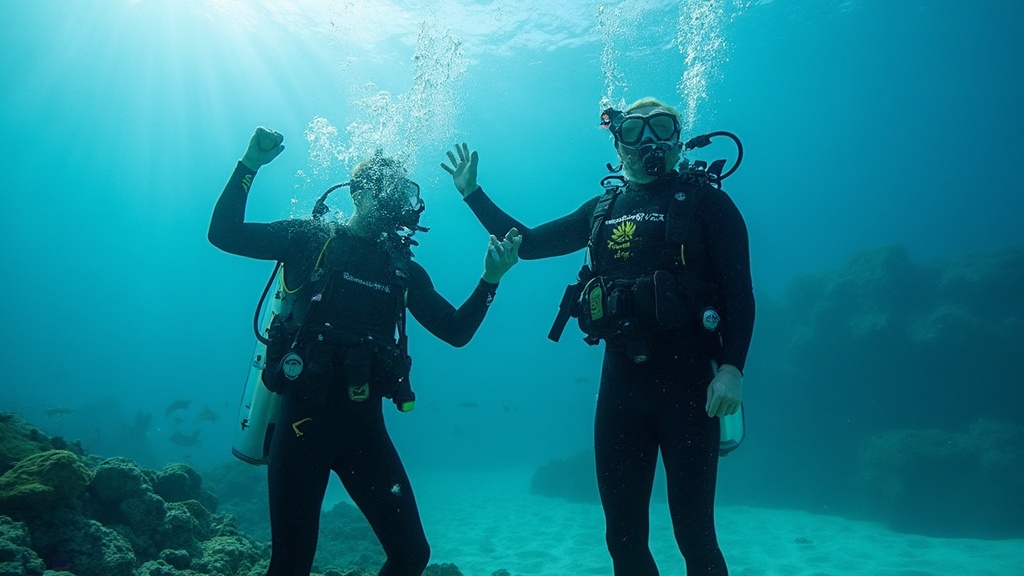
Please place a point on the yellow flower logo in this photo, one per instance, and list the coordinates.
(623, 232)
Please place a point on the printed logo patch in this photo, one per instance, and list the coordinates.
(623, 232)
(291, 365)
(359, 393)
(622, 239)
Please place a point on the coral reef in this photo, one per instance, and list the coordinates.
(939, 483)
(42, 483)
(346, 539)
(64, 512)
(16, 554)
(19, 440)
(570, 478)
(877, 345)
(61, 511)
(241, 491)
(442, 570)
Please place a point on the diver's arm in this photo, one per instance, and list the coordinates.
(229, 231)
(562, 236)
(438, 316)
(730, 252)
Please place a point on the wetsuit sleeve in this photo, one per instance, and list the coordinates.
(730, 256)
(438, 316)
(231, 233)
(556, 238)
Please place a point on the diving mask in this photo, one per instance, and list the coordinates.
(652, 136)
(399, 202)
(631, 130)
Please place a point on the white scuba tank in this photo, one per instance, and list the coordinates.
(259, 408)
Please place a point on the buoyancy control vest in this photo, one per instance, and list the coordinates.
(318, 342)
(614, 305)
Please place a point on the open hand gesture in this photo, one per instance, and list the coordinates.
(463, 170)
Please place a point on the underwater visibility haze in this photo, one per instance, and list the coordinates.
(879, 184)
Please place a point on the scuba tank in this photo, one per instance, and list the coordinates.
(259, 408)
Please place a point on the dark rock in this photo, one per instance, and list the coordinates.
(241, 491)
(878, 344)
(442, 570)
(118, 479)
(229, 555)
(347, 541)
(42, 483)
(572, 478)
(85, 547)
(950, 485)
(16, 555)
(180, 482)
(177, 558)
(18, 440)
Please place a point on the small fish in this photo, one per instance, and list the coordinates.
(207, 415)
(57, 411)
(468, 405)
(177, 405)
(183, 440)
(581, 379)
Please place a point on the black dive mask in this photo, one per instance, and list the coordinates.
(652, 136)
(409, 215)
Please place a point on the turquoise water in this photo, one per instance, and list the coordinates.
(865, 124)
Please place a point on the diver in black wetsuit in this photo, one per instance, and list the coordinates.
(669, 371)
(350, 285)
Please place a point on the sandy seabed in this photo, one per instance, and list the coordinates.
(489, 520)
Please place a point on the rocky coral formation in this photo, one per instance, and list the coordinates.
(16, 554)
(43, 483)
(880, 344)
(572, 478)
(242, 492)
(19, 440)
(65, 512)
(938, 483)
(346, 539)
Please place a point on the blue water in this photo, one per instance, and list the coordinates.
(865, 123)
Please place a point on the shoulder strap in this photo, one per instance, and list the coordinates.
(401, 257)
(679, 220)
(601, 210)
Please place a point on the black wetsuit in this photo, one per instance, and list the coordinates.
(660, 403)
(313, 438)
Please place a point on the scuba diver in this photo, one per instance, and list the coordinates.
(666, 285)
(340, 347)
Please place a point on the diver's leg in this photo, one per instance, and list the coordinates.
(378, 484)
(297, 478)
(626, 453)
(689, 448)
